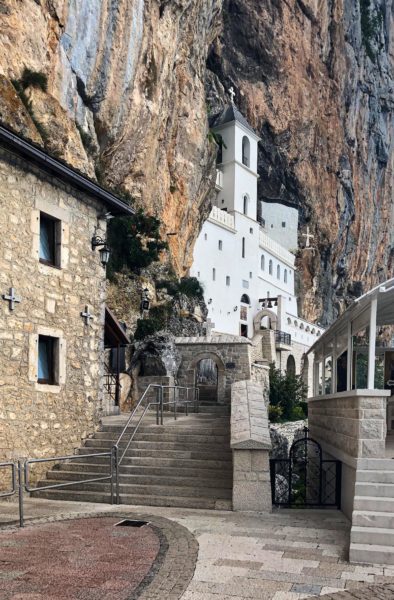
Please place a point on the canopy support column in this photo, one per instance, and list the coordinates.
(372, 344)
(349, 356)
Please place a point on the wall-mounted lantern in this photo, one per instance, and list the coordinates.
(145, 302)
(104, 250)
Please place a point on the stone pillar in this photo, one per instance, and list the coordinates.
(251, 443)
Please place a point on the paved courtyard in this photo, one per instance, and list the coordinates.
(283, 556)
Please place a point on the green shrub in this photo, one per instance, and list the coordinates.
(146, 327)
(135, 243)
(189, 286)
(288, 392)
(160, 314)
(274, 413)
(34, 79)
(370, 27)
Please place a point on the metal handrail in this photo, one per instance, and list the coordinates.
(30, 461)
(159, 419)
(13, 472)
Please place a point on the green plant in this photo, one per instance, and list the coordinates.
(288, 392)
(145, 327)
(188, 286)
(274, 413)
(160, 314)
(135, 243)
(34, 79)
(370, 27)
(216, 138)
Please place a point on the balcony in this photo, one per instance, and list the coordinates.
(219, 180)
(282, 340)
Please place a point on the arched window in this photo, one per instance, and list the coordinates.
(245, 151)
(285, 276)
(262, 262)
(270, 267)
(245, 205)
(245, 299)
(291, 367)
(243, 247)
(278, 272)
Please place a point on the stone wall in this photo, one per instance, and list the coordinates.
(39, 420)
(350, 425)
(230, 353)
(251, 443)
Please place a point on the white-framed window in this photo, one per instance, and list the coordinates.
(220, 245)
(246, 151)
(250, 274)
(285, 276)
(227, 279)
(262, 262)
(243, 247)
(278, 272)
(48, 360)
(245, 204)
(213, 274)
(283, 224)
(251, 230)
(270, 267)
(205, 236)
(50, 241)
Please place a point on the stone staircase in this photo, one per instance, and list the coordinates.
(372, 533)
(184, 463)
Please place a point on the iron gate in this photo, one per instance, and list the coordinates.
(305, 479)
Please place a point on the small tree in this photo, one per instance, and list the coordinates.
(287, 395)
(135, 243)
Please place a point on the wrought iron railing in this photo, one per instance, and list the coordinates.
(281, 337)
(112, 385)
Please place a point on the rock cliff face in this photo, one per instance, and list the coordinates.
(130, 83)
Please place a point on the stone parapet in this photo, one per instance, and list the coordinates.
(350, 425)
(251, 442)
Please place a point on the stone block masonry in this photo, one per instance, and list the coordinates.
(251, 442)
(39, 420)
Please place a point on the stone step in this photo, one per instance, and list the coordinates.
(379, 490)
(371, 554)
(365, 518)
(380, 536)
(151, 490)
(146, 479)
(158, 466)
(375, 464)
(159, 445)
(136, 500)
(375, 476)
(223, 472)
(372, 503)
(206, 428)
(157, 453)
(173, 436)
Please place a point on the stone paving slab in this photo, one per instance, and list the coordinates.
(286, 555)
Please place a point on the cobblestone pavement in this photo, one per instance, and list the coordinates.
(287, 555)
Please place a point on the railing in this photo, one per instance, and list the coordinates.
(221, 217)
(159, 404)
(282, 338)
(271, 246)
(112, 385)
(21, 472)
(12, 465)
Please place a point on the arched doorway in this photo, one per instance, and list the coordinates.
(209, 377)
(290, 365)
(305, 370)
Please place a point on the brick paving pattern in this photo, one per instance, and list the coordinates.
(84, 559)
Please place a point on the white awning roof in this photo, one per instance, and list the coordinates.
(357, 314)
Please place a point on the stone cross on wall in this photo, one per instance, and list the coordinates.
(308, 237)
(86, 315)
(231, 91)
(12, 298)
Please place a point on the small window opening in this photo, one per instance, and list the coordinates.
(214, 274)
(220, 245)
(243, 247)
(227, 280)
(245, 151)
(47, 358)
(50, 240)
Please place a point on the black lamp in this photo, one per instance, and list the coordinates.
(104, 250)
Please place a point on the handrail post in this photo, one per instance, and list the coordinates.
(161, 405)
(112, 461)
(175, 395)
(157, 405)
(116, 454)
(20, 495)
(187, 402)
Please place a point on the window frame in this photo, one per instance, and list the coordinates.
(56, 242)
(53, 359)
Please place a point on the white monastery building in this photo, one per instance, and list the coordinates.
(242, 256)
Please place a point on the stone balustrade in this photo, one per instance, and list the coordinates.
(250, 442)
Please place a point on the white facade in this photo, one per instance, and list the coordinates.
(237, 260)
(280, 222)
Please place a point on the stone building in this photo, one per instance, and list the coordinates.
(52, 297)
